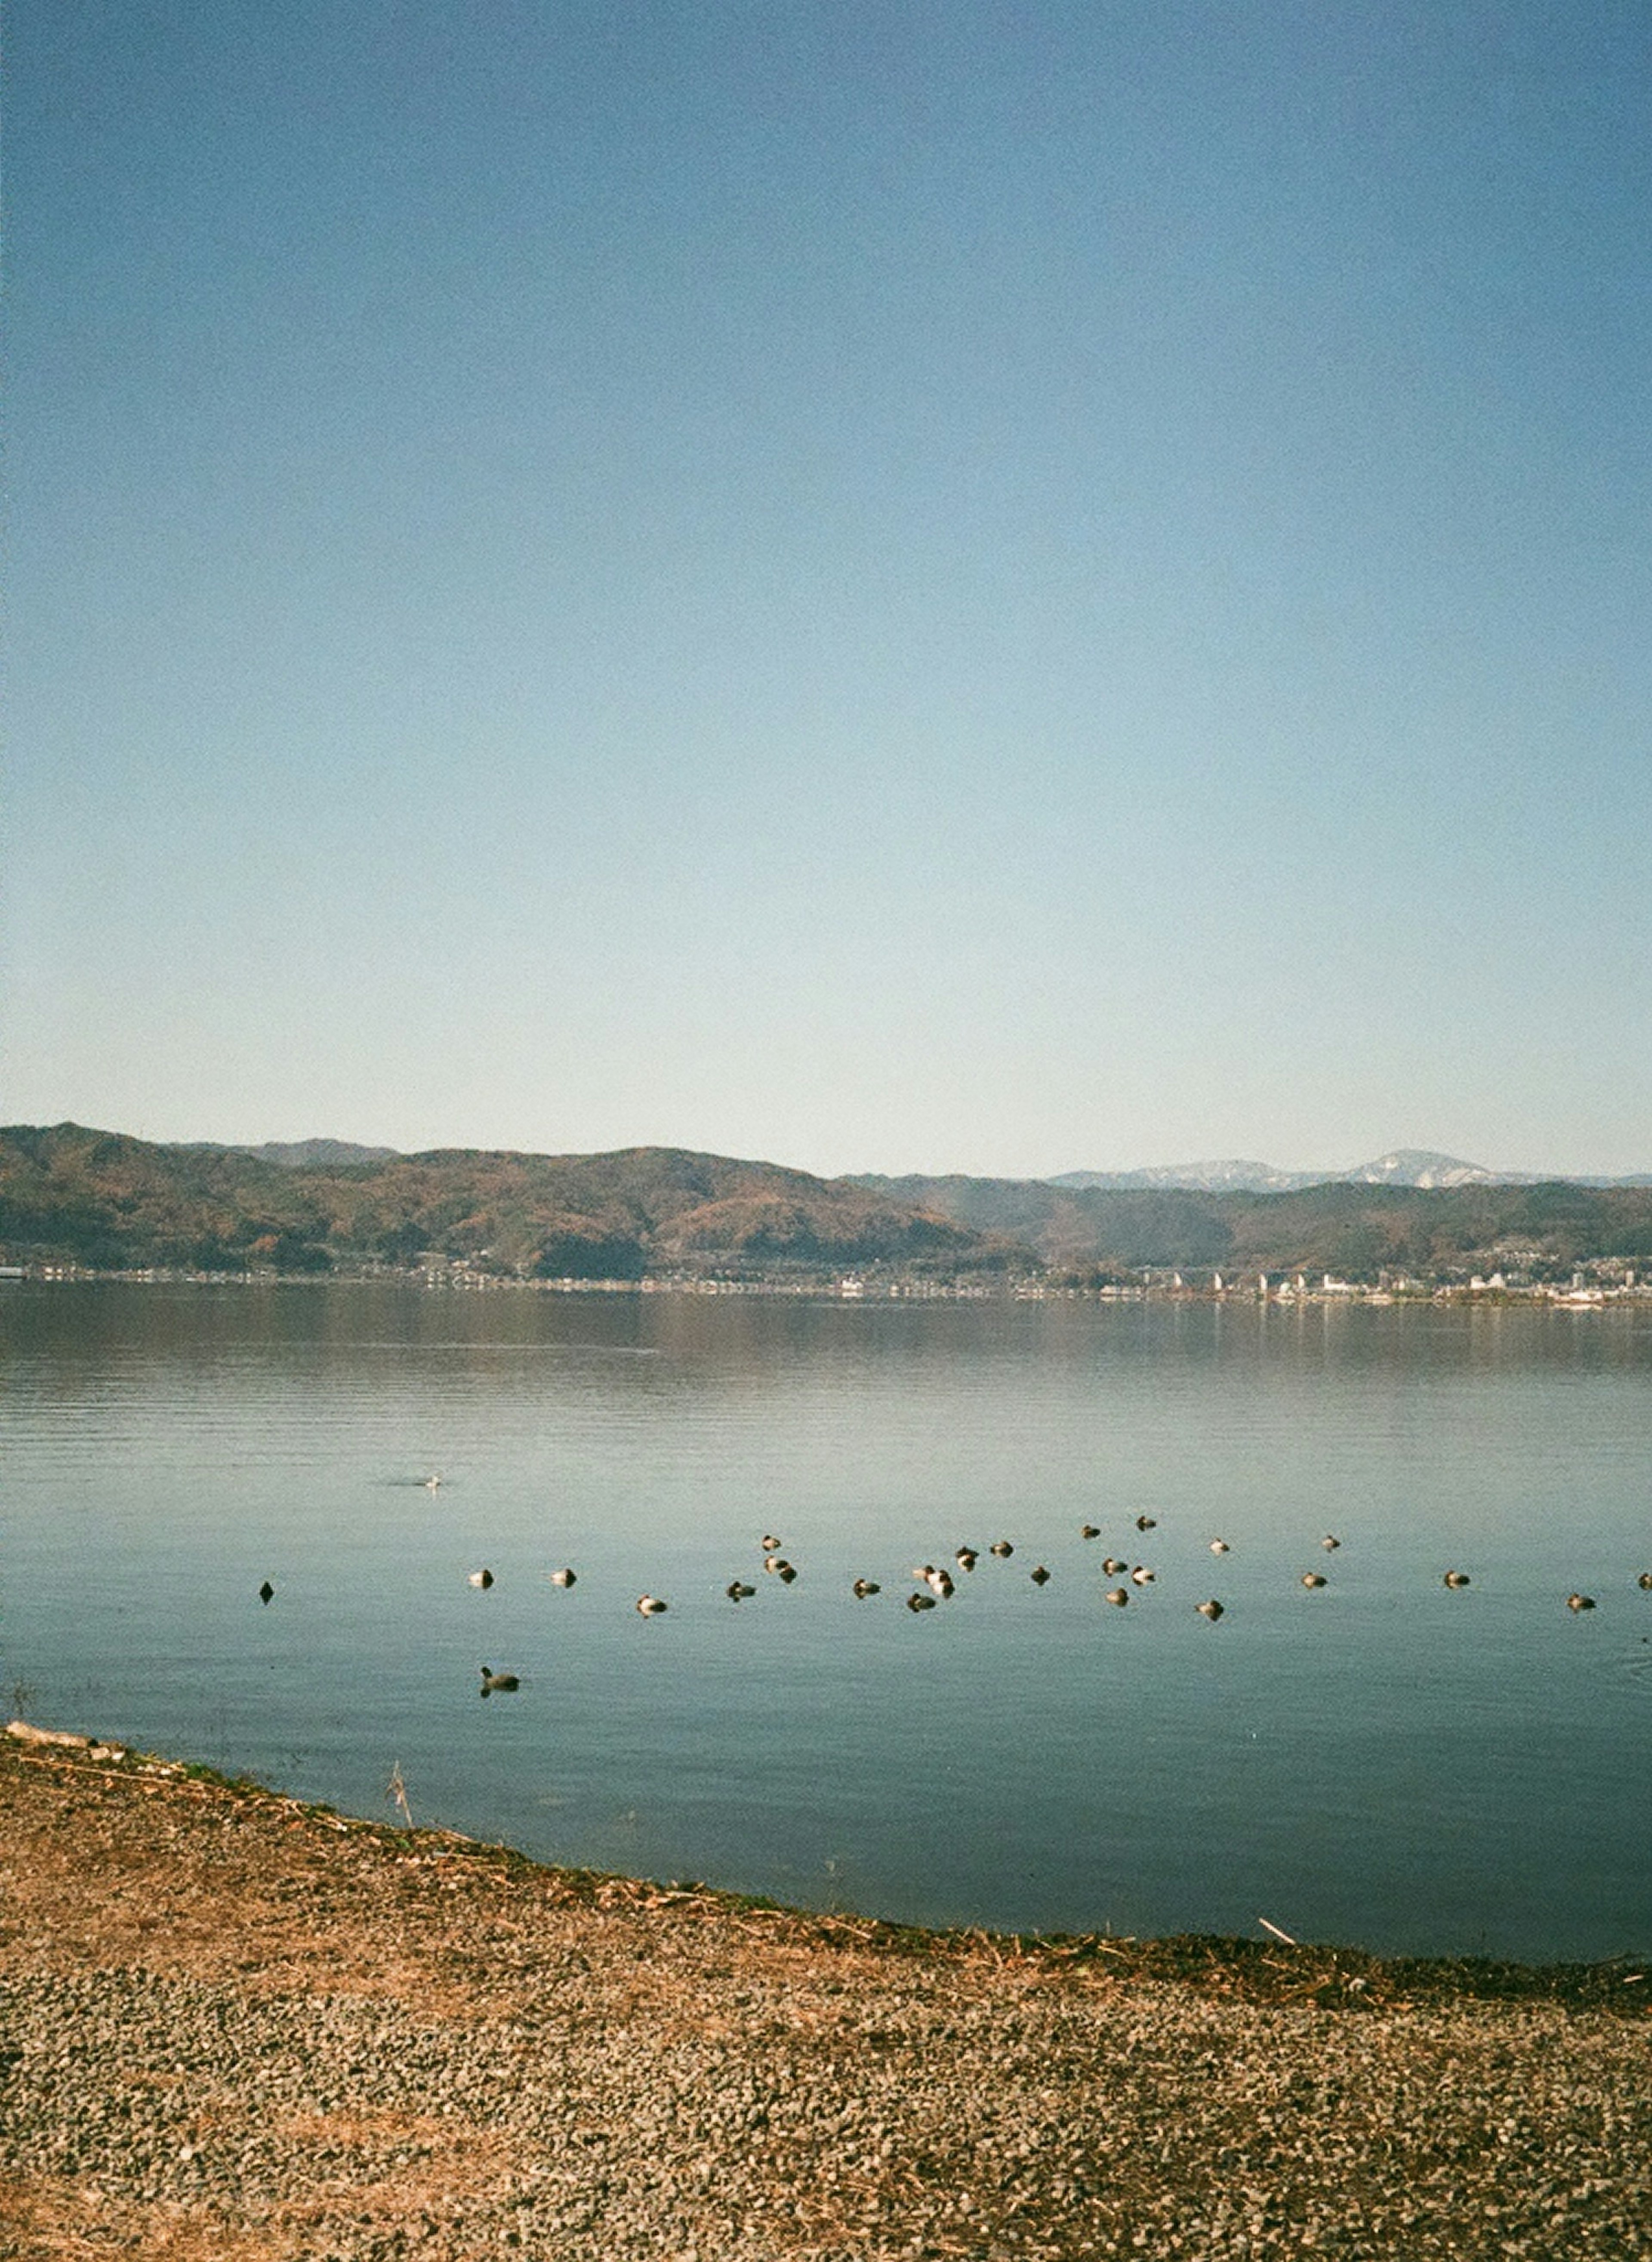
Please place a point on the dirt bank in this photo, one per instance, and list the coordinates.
(234, 2026)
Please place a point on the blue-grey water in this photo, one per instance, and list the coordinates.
(1379, 1761)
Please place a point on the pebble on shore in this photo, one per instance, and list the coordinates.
(273, 2032)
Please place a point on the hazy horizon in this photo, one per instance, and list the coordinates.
(907, 588)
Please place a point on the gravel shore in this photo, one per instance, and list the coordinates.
(234, 2026)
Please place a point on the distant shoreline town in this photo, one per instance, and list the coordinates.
(1578, 1295)
(77, 1203)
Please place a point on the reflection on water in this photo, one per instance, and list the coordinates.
(1381, 1760)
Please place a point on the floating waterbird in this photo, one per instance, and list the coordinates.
(1141, 1576)
(939, 1583)
(1313, 1579)
(482, 1578)
(1212, 1609)
(1001, 1547)
(920, 1601)
(493, 1683)
(266, 1594)
(1456, 1579)
(865, 1586)
(1117, 1596)
(1219, 1547)
(1089, 1531)
(778, 1564)
(562, 1578)
(1580, 1602)
(771, 1544)
(738, 1591)
(433, 1483)
(650, 1605)
(1330, 1541)
(1645, 1579)
(966, 1558)
(785, 1573)
(1145, 1522)
(1040, 1576)
(1114, 1564)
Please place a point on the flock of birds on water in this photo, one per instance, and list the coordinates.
(934, 1583)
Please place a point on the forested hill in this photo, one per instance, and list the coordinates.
(1355, 1231)
(101, 1199)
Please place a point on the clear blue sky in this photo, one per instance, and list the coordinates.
(906, 584)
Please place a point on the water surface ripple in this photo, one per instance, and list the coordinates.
(1378, 1761)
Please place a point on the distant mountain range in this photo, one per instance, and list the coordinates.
(111, 1203)
(1406, 1166)
(1356, 1227)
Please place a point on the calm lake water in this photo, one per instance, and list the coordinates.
(1380, 1761)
